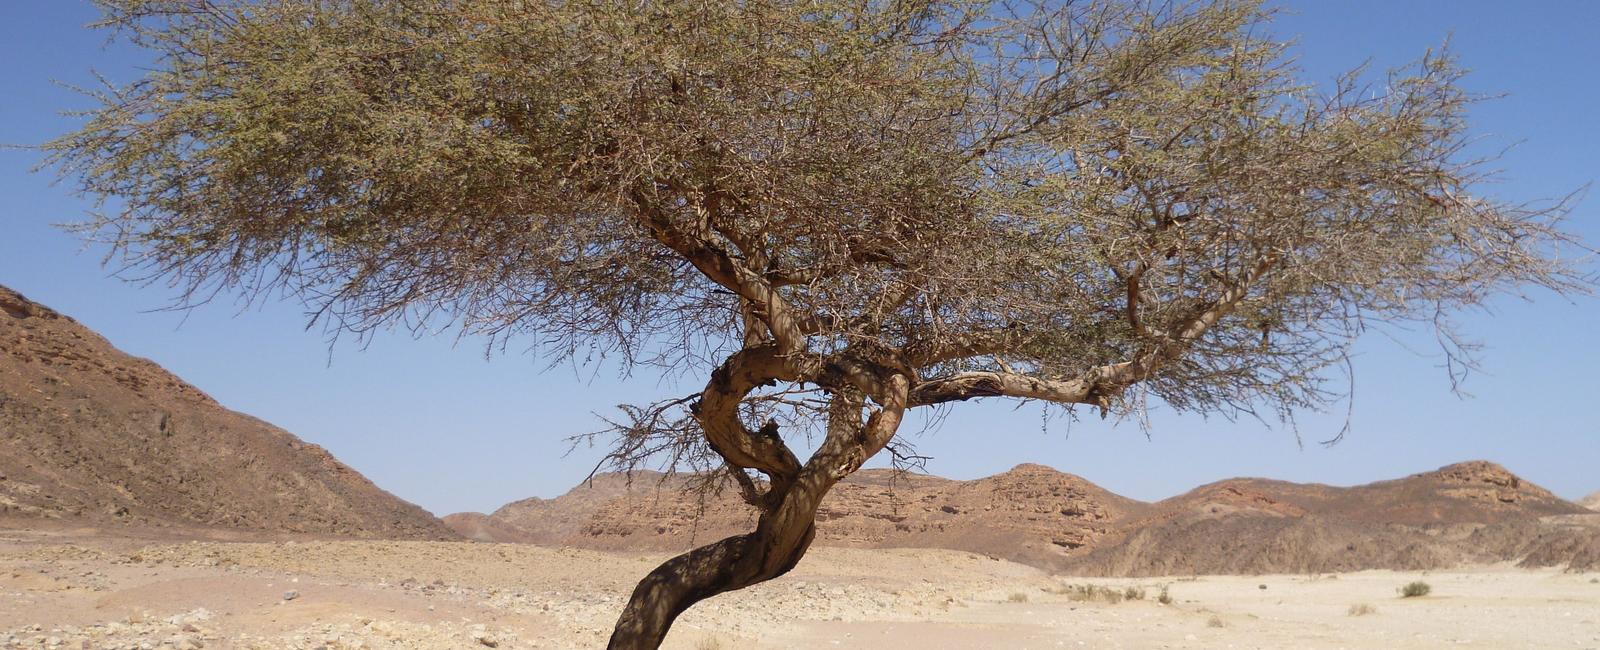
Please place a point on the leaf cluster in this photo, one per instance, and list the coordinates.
(1130, 194)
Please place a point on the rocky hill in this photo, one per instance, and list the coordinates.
(1032, 513)
(1591, 502)
(1469, 512)
(92, 434)
(1465, 513)
(484, 528)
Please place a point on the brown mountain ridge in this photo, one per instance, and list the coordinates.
(90, 434)
(1472, 512)
(94, 435)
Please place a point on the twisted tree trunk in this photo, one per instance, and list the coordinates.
(733, 563)
(784, 532)
(780, 539)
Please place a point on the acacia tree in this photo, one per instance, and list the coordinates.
(842, 210)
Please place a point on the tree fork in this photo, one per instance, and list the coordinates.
(784, 532)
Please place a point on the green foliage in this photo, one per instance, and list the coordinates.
(1062, 186)
(1415, 589)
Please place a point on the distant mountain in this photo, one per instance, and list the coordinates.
(1464, 513)
(1031, 512)
(480, 527)
(94, 435)
(1591, 502)
(1469, 512)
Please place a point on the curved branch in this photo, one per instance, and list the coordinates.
(720, 266)
(718, 413)
(1098, 386)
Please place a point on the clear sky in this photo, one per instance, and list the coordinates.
(438, 423)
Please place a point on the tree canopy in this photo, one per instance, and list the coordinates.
(842, 210)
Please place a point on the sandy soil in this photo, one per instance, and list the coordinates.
(63, 589)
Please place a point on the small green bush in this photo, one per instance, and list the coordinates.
(1133, 593)
(1164, 597)
(1415, 590)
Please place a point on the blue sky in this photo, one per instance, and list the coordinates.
(439, 423)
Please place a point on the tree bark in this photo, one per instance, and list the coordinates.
(780, 539)
(782, 535)
(733, 563)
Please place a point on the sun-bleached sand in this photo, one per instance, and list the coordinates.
(61, 590)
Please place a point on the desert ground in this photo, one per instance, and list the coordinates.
(80, 588)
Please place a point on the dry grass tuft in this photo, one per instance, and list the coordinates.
(1017, 597)
(1415, 590)
(1361, 609)
(1096, 593)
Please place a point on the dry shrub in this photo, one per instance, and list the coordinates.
(1017, 597)
(1415, 590)
(1215, 621)
(1094, 593)
(1362, 609)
